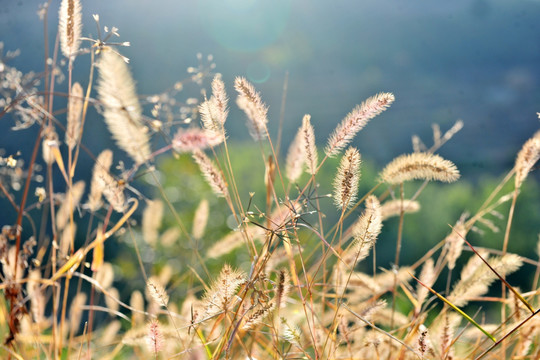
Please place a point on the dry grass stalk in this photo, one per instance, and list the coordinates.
(347, 178)
(122, 111)
(526, 158)
(538, 246)
(249, 101)
(452, 131)
(367, 309)
(356, 120)
(436, 134)
(393, 208)
(211, 173)
(423, 166)
(70, 27)
(281, 217)
(417, 144)
(295, 158)
(310, 150)
(528, 333)
(151, 221)
(200, 219)
(75, 105)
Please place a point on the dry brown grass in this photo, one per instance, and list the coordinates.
(297, 290)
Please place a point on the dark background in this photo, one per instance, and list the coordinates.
(474, 60)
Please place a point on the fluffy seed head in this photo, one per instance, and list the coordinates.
(295, 158)
(67, 238)
(113, 191)
(394, 207)
(476, 277)
(220, 296)
(75, 312)
(136, 301)
(428, 277)
(157, 293)
(346, 181)
(211, 173)
(50, 140)
(527, 157)
(69, 27)
(122, 111)
(220, 96)
(72, 199)
(200, 219)
(249, 101)
(75, 105)
(37, 297)
(188, 140)
(105, 184)
(454, 241)
(365, 231)
(234, 240)
(105, 275)
(101, 167)
(214, 111)
(310, 150)
(154, 338)
(257, 315)
(282, 289)
(356, 120)
(151, 221)
(423, 166)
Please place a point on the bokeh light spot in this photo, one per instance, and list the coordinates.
(258, 72)
(245, 26)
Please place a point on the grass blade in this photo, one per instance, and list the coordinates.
(467, 317)
(518, 295)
